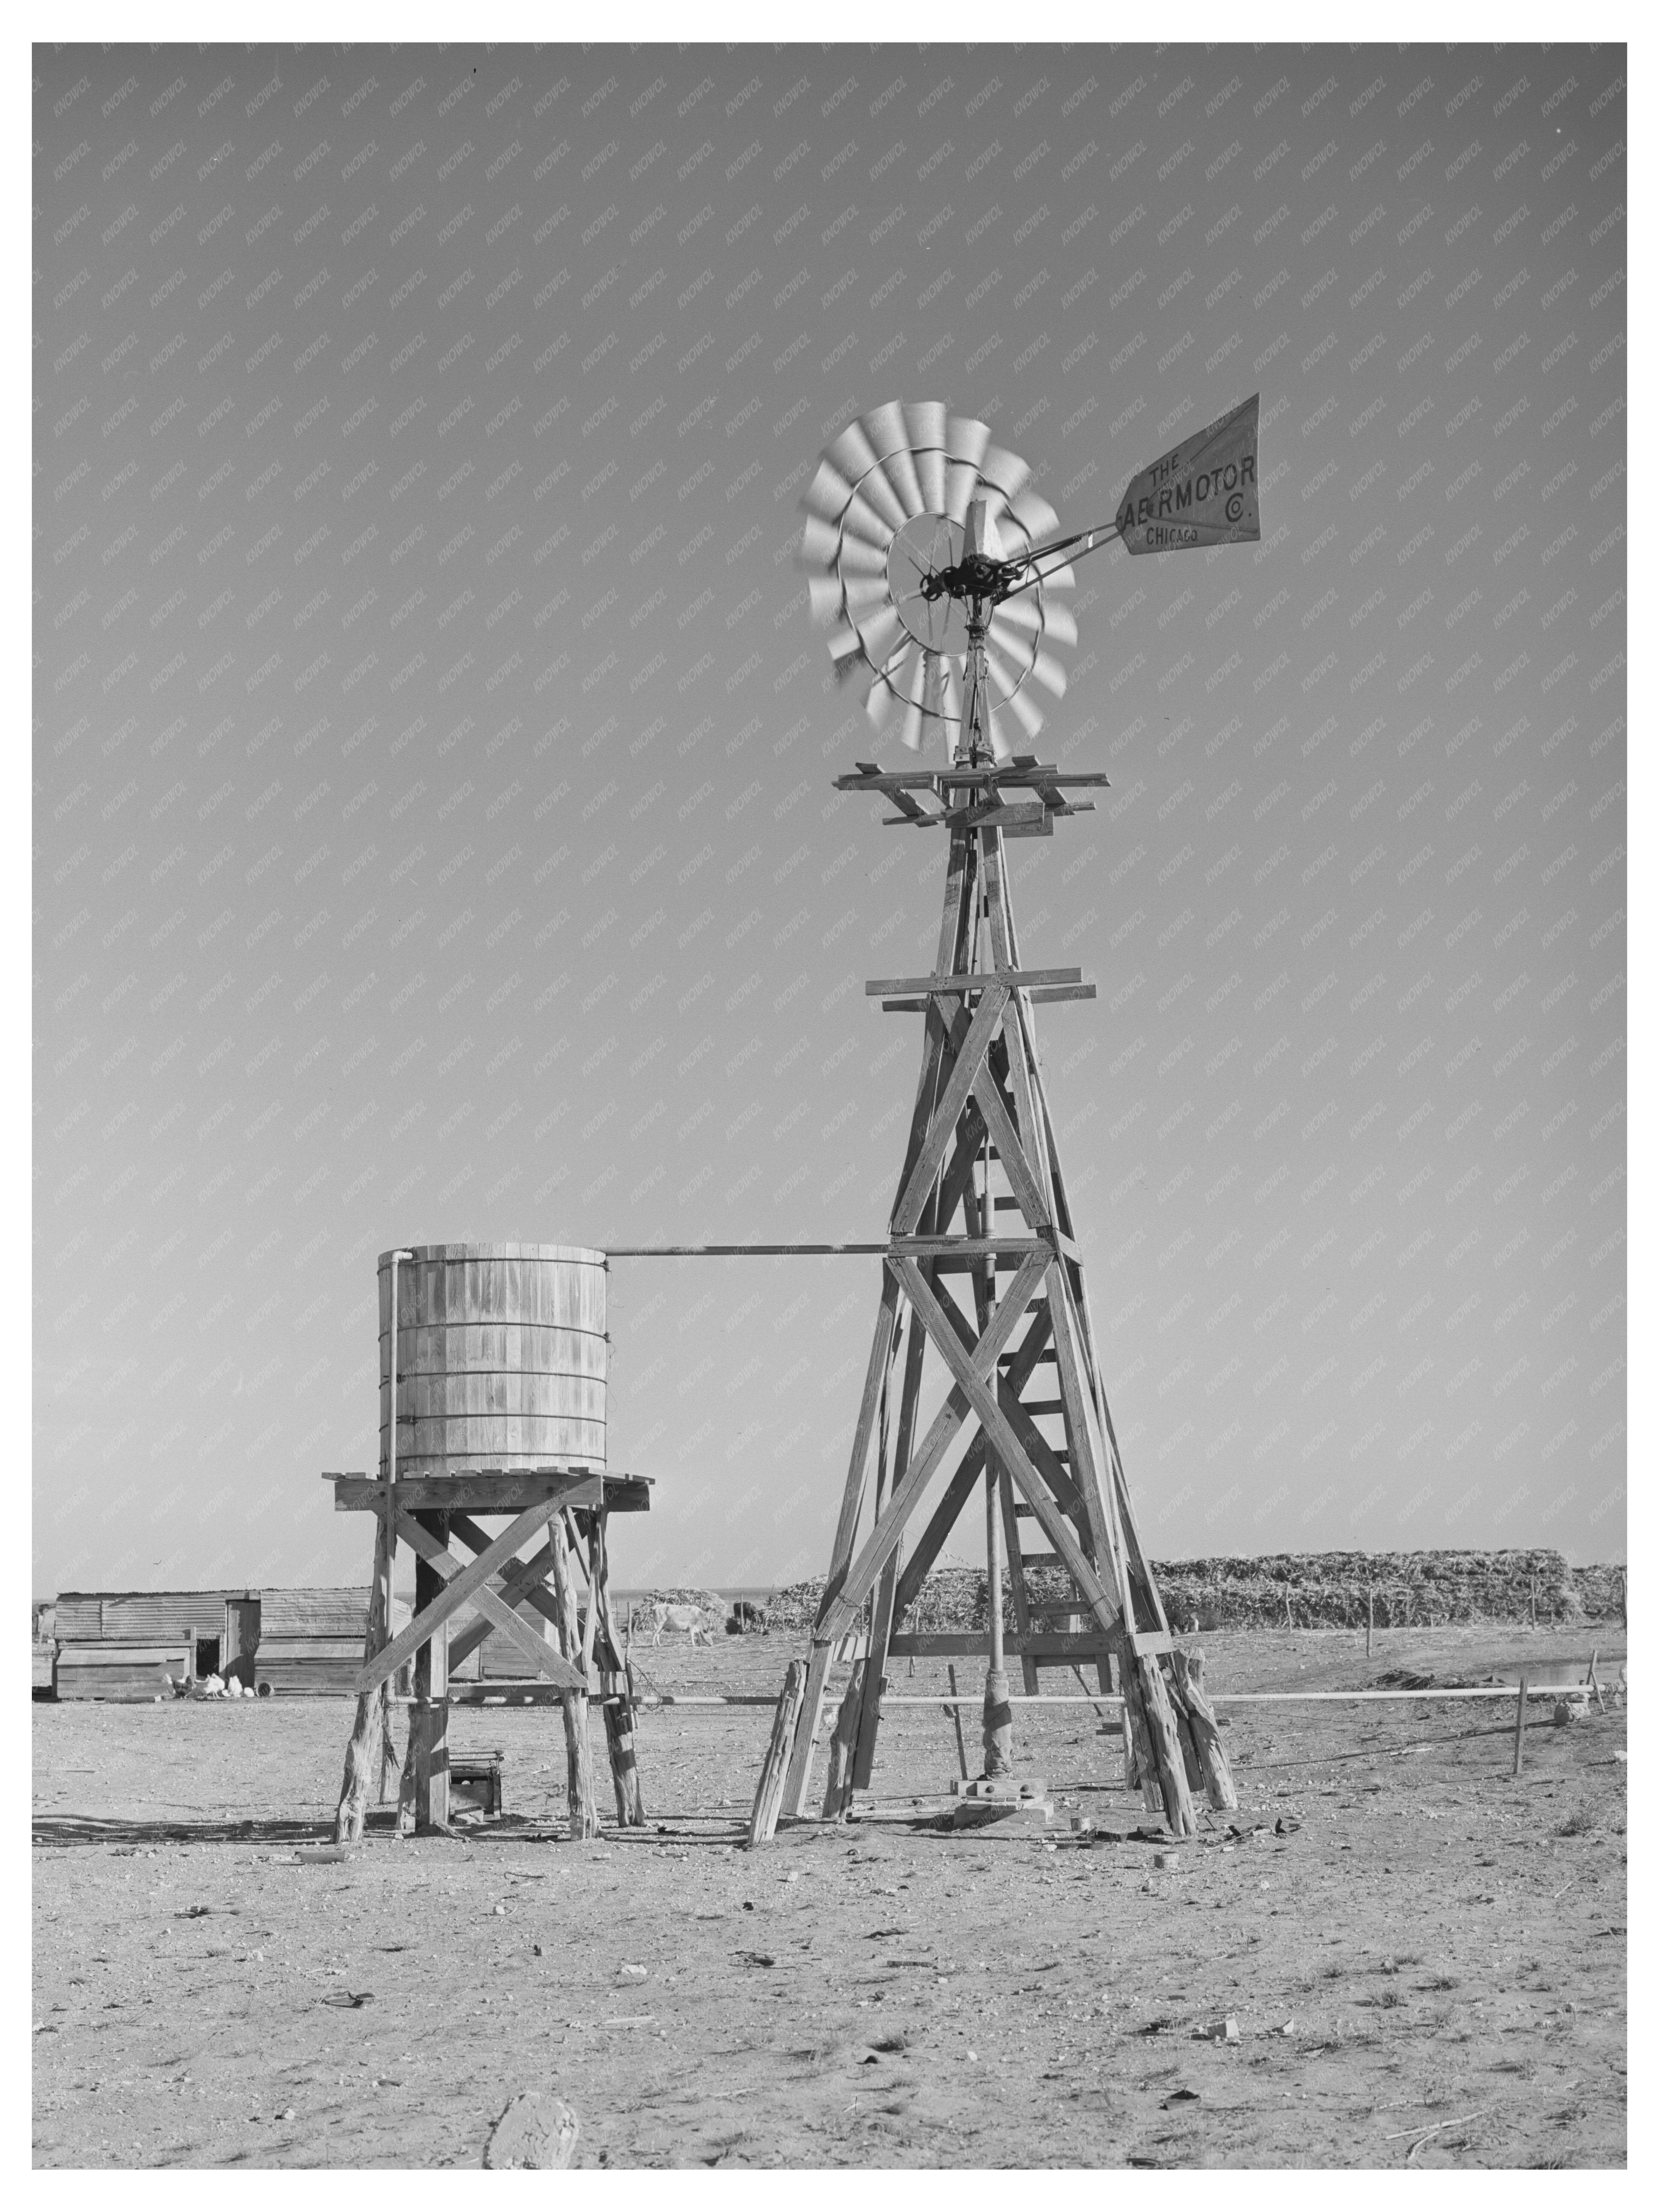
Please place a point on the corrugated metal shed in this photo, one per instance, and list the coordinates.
(157, 1616)
(79, 1617)
(130, 1616)
(285, 1613)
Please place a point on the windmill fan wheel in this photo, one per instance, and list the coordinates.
(888, 507)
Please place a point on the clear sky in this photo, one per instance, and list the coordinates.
(433, 828)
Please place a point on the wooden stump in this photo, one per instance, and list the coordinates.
(1140, 1764)
(1215, 1774)
(1189, 1758)
(769, 1795)
(579, 1755)
(1176, 1798)
(838, 1783)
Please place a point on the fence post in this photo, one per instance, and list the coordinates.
(1520, 1723)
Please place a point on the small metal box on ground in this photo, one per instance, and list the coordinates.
(475, 1782)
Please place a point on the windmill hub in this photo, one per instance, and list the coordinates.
(976, 578)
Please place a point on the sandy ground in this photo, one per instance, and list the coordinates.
(1436, 1947)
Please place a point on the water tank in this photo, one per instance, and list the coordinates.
(501, 1357)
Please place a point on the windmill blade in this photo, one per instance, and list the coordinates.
(880, 633)
(863, 518)
(1033, 616)
(883, 428)
(1026, 712)
(899, 468)
(1005, 470)
(877, 492)
(827, 494)
(854, 456)
(1025, 614)
(864, 597)
(884, 692)
(851, 453)
(1004, 673)
(1060, 624)
(824, 596)
(926, 423)
(1000, 747)
(861, 558)
(1035, 516)
(967, 441)
(1047, 671)
(820, 542)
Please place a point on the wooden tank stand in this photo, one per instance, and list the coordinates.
(567, 1507)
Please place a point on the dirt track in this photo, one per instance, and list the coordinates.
(1436, 1943)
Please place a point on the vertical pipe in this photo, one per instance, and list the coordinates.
(999, 1720)
(993, 1565)
(1520, 1723)
(385, 1692)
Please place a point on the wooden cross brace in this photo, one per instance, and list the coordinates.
(840, 1615)
(472, 1581)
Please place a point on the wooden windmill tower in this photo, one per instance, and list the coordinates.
(939, 567)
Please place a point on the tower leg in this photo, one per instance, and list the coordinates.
(429, 1717)
(365, 1748)
(579, 1756)
(810, 1707)
(838, 1783)
(618, 1703)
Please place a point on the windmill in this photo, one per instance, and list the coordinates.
(941, 572)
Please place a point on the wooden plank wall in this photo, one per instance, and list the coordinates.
(122, 1673)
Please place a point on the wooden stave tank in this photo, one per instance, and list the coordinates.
(503, 1356)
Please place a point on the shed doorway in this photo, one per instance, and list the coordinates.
(242, 1638)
